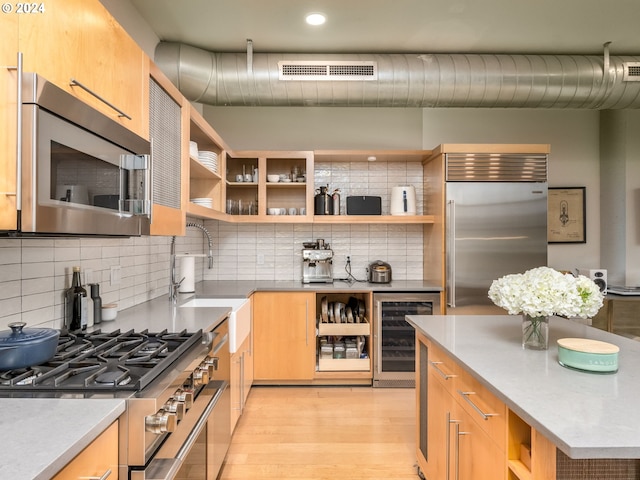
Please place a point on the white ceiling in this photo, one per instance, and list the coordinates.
(400, 26)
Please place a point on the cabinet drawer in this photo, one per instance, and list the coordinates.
(443, 368)
(94, 461)
(483, 406)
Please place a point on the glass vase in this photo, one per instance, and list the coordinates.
(535, 332)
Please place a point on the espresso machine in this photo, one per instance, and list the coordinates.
(317, 262)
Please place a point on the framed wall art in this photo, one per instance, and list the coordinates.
(566, 219)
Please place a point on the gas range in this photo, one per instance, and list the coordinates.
(172, 383)
(102, 362)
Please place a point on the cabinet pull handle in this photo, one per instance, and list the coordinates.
(104, 476)
(485, 416)
(448, 443)
(446, 376)
(451, 255)
(75, 83)
(458, 434)
(18, 192)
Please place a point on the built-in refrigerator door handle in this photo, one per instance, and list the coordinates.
(451, 255)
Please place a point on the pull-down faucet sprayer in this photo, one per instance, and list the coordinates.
(174, 285)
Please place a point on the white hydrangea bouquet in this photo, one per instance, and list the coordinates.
(543, 291)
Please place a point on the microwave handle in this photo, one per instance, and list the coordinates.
(74, 83)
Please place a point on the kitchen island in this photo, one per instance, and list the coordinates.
(575, 415)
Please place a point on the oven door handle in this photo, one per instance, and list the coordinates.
(167, 468)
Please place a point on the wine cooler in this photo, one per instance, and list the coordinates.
(394, 339)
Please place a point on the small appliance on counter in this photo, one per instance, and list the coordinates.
(317, 262)
(379, 272)
(364, 205)
(403, 200)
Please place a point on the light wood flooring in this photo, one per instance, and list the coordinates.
(346, 433)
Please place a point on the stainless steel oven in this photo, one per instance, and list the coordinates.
(197, 446)
(79, 171)
(394, 338)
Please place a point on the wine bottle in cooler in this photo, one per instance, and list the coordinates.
(76, 314)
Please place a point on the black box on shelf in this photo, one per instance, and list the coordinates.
(364, 205)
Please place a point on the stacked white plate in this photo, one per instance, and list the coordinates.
(209, 159)
(205, 202)
(193, 149)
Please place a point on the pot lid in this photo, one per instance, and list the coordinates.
(18, 335)
(380, 266)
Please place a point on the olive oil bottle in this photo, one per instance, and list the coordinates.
(75, 302)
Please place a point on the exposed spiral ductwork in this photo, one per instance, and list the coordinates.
(406, 80)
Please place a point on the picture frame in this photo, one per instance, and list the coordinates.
(566, 215)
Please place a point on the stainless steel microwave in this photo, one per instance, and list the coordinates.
(80, 172)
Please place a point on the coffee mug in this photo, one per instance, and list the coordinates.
(248, 177)
(239, 178)
(283, 211)
(293, 211)
(303, 211)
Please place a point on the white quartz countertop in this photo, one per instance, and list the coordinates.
(585, 415)
(40, 436)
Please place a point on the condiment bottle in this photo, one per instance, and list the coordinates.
(97, 303)
(76, 314)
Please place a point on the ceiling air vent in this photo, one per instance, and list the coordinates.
(333, 70)
(631, 72)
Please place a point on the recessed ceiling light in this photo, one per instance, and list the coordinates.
(315, 19)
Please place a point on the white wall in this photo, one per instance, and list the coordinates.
(572, 134)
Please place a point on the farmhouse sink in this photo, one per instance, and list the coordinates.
(239, 319)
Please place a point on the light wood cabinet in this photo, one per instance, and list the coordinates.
(8, 121)
(284, 337)
(80, 40)
(241, 379)
(464, 435)
(169, 134)
(96, 459)
(203, 180)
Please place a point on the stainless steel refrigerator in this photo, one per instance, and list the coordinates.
(496, 225)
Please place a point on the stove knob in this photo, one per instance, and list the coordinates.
(200, 376)
(175, 406)
(213, 361)
(208, 367)
(184, 396)
(160, 422)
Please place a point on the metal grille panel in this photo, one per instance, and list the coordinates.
(330, 70)
(496, 167)
(166, 140)
(631, 72)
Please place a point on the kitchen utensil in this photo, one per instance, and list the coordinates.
(239, 178)
(323, 204)
(379, 272)
(24, 347)
(335, 201)
(403, 200)
(273, 178)
(248, 177)
(324, 308)
(293, 211)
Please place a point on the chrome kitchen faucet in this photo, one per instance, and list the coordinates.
(173, 284)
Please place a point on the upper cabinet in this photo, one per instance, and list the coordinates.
(204, 180)
(80, 47)
(169, 134)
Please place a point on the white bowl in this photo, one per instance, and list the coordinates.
(273, 178)
(109, 312)
(273, 211)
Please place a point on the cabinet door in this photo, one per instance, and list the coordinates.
(8, 121)
(94, 461)
(80, 39)
(168, 131)
(247, 365)
(235, 388)
(439, 433)
(475, 454)
(284, 336)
